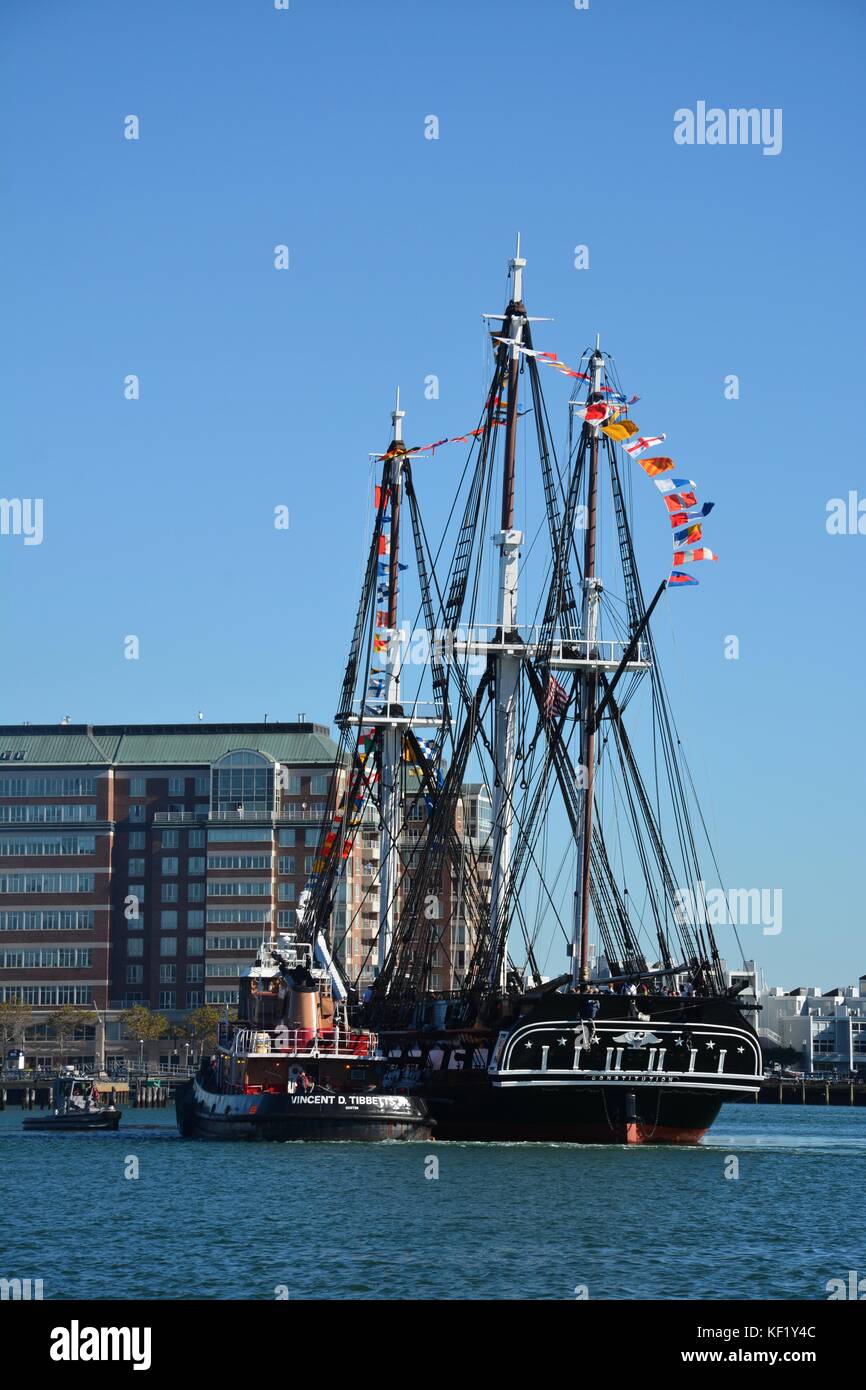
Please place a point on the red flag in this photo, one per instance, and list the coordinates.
(685, 557)
(654, 466)
(680, 501)
(593, 414)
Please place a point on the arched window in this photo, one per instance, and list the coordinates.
(243, 782)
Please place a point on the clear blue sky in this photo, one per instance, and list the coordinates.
(260, 387)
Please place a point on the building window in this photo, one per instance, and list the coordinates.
(137, 839)
(243, 781)
(137, 786)
(319, 786)
(47, 786)
(287, 837)
(308, 864)
(287, 864)
(169, 893)
(135, 866)
(170, 839)
(238, 914)
(167, 998)
(47, 883)
(46, 815)
(239, 861)
(177, 786)
(195, 892)
(46, 919)
(168, 946)
(202, 785)
(167, 974)
(194, 974)
(135, 947)
(53, 958)
(168, 920)
(134, 974)
(136, 890)
(287, 892)
(311, 837)
(138, 813)
(48, 842)
(195, 864)
(169, 864)
(197, 839)
(195, 920)
(42, 995)
(195, 945)
(193, 998)
(239, 888)
(221, 996)
(233, 943)
(293, 784)
(239, 834)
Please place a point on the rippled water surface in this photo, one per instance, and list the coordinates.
(222, 1220)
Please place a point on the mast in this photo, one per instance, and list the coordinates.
(506, 663)
(392, 738)
(588, 688)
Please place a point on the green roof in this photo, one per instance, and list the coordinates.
(49, 749)
(170, 745)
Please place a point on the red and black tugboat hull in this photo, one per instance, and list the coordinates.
(281, 1117)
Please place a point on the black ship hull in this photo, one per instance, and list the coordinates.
(368, 1118)
(86, 1122)
(471, 1109)
(660, 1078)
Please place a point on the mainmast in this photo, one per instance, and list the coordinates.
(592, 588)
(506, 663)
(392, 739)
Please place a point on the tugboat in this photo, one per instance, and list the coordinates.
(290, 1066)
(76, 1106)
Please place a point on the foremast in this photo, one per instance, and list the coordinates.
(507, 664)
(391, 751)
(588, 689)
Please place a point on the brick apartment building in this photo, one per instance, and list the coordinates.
(142, 863)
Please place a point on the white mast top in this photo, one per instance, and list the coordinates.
(397, 416)
(517, 266)
(597, 364)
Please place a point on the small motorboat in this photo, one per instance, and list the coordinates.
(76, 1106)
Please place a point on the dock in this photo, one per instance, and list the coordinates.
(810, 1091)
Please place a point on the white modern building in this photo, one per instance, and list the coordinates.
(827, 1027)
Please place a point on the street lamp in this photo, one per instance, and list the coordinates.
(141, 1054)
(100, 1046)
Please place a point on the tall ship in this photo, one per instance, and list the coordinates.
(538, 682)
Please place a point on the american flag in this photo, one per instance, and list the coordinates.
(556, 699)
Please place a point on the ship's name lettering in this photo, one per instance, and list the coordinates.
(389, 1102)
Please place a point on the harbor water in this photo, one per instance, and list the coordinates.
(767, 1207)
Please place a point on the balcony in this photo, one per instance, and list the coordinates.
(289, 815)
